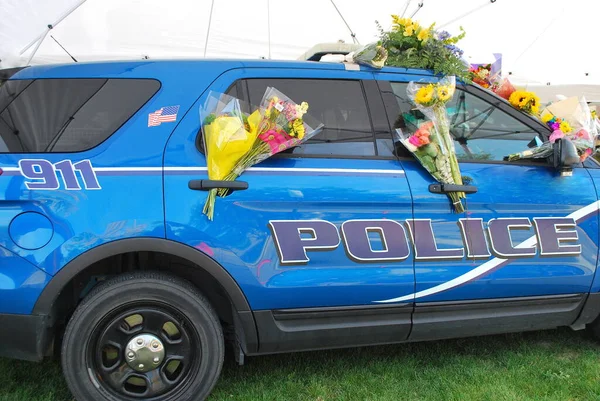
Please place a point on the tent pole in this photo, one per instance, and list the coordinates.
(39, 43)
(405, 8)
(418, 9)
(50, 26)
(352, 34)
(212, 5)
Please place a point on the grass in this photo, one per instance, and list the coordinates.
(551, 365)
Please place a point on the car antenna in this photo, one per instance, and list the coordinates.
(62, 47)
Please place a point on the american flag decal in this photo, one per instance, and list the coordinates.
(163, 115)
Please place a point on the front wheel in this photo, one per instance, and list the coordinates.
(143, 336)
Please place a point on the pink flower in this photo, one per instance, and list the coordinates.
(276, 140)
(557, 134)
(414, 141)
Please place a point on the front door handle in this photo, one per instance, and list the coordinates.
(207, 185)
(440, 188)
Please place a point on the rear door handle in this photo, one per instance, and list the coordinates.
(207, 185)
(446, 188)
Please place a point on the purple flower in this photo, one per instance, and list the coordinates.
(443, 35)
(555, 126)
(455, 50)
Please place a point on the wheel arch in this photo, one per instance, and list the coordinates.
(243, 319)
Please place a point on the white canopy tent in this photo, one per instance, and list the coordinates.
(542, 41)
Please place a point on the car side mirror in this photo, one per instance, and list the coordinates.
(565, 156)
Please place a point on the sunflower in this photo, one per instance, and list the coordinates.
(515, 98)
(519, 99)
(444, 93)
(534, 103)
(424, 95)
(565, 127)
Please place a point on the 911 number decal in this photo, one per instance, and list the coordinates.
(43, 174)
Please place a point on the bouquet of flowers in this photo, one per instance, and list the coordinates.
(235, 141)
(482, 75)
(432, 143)
(282, 126)
(411, 45)
(568, 119)
(527, 102)
(228, 135)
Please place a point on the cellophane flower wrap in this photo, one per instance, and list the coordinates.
(569, 119)
(372, 55)
(283, 125)
(228, 135)
(432, 143)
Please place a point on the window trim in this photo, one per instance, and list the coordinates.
(78, 78)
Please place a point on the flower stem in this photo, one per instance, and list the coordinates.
(209, 205)
(444, 129)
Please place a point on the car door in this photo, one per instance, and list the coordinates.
(315, 239)
(523, 254)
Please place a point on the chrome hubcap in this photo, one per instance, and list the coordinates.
(144, 353)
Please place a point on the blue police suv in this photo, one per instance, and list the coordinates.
(107, 259)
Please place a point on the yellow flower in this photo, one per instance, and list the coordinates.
(565, 127)
(405, 21)
(526, 101)
(409, 30)
(534, 103)
(424, 95)
(423, 35)
(444, 93)
(547, 117)
(519, 99)
(400, 22)
(298, 128)
(302, 108)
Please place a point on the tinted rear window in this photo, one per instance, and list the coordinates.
(67, 115)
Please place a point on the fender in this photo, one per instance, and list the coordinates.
(244, 319)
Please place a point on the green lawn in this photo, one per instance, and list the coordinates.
(552, 365)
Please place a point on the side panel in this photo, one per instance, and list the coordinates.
(20, 283)
(55, 206)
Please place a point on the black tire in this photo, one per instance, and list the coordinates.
(594, 329)
(103, 318)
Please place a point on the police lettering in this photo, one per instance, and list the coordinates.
(556, 236)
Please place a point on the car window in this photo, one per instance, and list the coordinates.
(481, 131)
(339, 104)
(67, 115)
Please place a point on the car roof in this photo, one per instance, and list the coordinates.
(160, 68)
